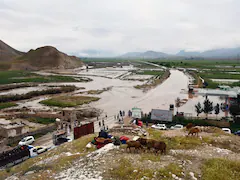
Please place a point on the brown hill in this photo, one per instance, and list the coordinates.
(7, 53)
(46, 57)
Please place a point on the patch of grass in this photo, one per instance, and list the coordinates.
(184, 142)
(7, 105)
(155, 134)
(221, 169)
(166, 172)
(150, 156)
(126, 170)
(69, 101)
(42, 120)
(219, 75)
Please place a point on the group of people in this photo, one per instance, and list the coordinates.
(102, 124)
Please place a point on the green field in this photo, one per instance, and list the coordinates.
(8, 77)
(7, 105)
(42, 120)
(69, 101)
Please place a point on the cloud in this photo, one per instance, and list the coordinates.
(119, 26)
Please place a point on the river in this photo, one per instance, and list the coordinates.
(123, 96)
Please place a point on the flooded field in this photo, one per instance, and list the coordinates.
(123, 95)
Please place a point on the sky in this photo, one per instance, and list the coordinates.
(114, 27)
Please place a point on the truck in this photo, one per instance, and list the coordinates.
(14, 156)
(59, 137)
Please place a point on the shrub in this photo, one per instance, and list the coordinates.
(221, 169)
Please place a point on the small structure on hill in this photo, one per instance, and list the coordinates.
(12, 129)
(68, 119)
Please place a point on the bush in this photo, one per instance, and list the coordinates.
(221, 169)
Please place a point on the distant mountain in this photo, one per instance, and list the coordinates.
(189, 53)
(147, 54)
(226, 52)
(7, 53)
(46, 57)
(215, 53)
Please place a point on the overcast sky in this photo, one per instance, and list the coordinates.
(118, 26)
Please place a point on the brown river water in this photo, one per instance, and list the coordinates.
(123, 96)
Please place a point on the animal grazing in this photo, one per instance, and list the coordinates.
(160, 146)
(143, 141)
(189, 126)
(194, 131)
(135, 144)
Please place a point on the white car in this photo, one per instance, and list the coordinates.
(27, 141)
(227, 130)
(159, 126)
(177, 126)
(40, 149)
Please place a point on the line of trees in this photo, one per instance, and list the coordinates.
(207, 108)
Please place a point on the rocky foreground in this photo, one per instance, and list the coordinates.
(212, 155)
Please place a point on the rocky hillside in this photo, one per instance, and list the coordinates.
(46, 57)
(212, 155)
(7, 53)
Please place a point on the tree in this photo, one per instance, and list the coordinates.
(178, 103)
(217, 109)
(208, 106)
(198, 108)
(234, 110)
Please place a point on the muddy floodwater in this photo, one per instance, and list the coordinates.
(123, 95)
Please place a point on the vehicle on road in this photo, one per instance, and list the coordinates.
(177, 126)
(159, 126)
(14, 156)
(40, 149)
(237, 133)
(227, 130)
(26, 141)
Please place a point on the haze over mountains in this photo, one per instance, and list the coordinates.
(233, 53)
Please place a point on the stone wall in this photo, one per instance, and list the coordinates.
(42, 131)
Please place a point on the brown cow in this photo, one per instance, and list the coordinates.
(135, 144)
(189, 126)
(194, 131)
(143, 141)
(160, 146)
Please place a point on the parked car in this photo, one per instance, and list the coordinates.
(177, 126)
(62, 140)
(27, 141)
(237, 133)
(40, 149)
(227, 130)
(159, 126)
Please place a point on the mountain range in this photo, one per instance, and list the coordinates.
(233, 53)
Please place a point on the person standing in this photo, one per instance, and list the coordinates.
(123, 113)
(99, 123)
(103, 122)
